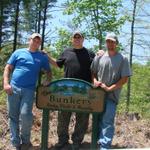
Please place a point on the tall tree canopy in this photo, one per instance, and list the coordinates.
(98, 16)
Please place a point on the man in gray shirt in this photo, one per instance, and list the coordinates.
(110, 72)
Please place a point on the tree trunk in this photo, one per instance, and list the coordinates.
(39, 16)
(100, 39)
(131, 52)
(43, 32)
(44, 23)
(98, 26)
(16, 25)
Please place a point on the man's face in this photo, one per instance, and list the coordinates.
(111, 45)
(35, 43)
(77, 40)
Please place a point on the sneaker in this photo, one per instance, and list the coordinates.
(60, 145)
(27, 146)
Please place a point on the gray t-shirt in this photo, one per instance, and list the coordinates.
(109, 70)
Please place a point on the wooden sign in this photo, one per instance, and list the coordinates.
(71, 95)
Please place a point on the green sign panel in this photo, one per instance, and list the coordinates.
(71, 95)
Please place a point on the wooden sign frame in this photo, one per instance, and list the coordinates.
(69, 94)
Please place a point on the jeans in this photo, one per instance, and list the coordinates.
(20, 105)
(81, 126)
(107, 124)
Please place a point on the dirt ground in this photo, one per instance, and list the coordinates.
(131, 131)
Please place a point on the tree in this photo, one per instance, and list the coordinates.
(5, 22)
(48, 4)
(36, 15)
(141, 53)
(131, 50)
(39, 15)
(98, 17)
(16, 24)
(32, 15)
(57, 48)
(138, 39)
(44, 21)
(64, 40)
(1, 21)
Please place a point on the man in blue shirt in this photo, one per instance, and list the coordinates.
(24, 66)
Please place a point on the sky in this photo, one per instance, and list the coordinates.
(142, 53)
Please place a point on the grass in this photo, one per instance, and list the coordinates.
(3, 98)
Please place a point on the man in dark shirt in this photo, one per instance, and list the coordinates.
(76, 62)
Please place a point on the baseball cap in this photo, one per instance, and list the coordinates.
(112, 36)
(36, 35)
(78, 33)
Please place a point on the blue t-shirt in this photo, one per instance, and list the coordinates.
(27, 66)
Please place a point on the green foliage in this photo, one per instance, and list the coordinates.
(3, 98)
(4, 55)
(29, 15)
(148, 63)
(5, 21)
(140, 95)
(98, 17)
(63, 41)
(33, 14)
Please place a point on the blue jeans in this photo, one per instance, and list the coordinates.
(20, 105)
(107, 124)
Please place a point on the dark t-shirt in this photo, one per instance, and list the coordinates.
(76, 63)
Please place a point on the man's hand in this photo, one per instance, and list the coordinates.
(100, 52)
(105, 87)
(97, 83)
(8, 89)
(6, 86)
(115, 86)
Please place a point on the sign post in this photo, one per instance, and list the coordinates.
(73, 95)
(45, 129)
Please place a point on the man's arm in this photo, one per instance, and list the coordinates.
(115, 86)
(6, 75)
(52, 61)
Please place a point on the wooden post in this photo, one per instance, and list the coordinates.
(68, 90)
(45, 129)
(95, 129)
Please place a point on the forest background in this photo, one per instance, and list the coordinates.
(57, 20)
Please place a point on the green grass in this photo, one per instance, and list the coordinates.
(135, 106)
(3, 98)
